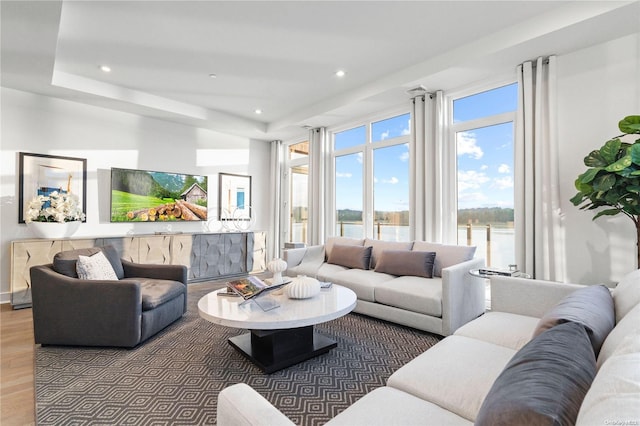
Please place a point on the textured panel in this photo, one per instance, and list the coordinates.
(235, 254)
(257, 251)
(154, 249)
(175, 377)
(127, 247)
(212, 253)
(185, 250)
(78, 244)
(24, 255)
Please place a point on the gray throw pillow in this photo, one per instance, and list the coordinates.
(350, 256)
(65, 262)
(545, 381)
(590, 306)
(406, 262)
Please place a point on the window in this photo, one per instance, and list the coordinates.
(371, 180)
(483, 131)
(298, 190)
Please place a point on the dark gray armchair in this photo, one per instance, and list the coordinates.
(69, 311)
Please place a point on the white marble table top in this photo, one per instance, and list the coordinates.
(329, 304)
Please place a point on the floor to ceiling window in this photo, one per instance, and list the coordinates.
(371, 180)
(297, 190)
(483, 131)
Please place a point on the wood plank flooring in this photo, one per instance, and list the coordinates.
(17, 389)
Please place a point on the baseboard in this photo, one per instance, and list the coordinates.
(5, 297)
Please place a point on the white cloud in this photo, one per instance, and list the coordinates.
(406, 132)
(484, 167)
(404, 157)
(394, 180)
(503, 182)
(359, 157)
(384, 135)
(471, 179)
(343, 175)
(504, 168)
(466, 145)
(471, 199)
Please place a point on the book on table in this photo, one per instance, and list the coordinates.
(498, 271)
(251, 287)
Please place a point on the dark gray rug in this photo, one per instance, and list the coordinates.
(175, 378)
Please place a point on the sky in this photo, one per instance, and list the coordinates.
(484, 158)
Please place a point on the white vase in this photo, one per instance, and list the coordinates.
(53, 230)
(277, 267)
(302, 287)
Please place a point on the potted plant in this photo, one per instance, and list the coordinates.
(54, 216)
(612, 179)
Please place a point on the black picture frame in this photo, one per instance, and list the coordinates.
(42, 173)
(234, 197)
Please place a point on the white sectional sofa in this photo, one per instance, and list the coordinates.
(388, 285)
(492, 371)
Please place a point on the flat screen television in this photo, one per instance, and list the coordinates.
(148, 196)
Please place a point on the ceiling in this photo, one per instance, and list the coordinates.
(281, 57)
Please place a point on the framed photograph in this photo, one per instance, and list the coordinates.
(234, 197)
(41, 174)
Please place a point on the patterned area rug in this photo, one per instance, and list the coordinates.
(175, 377)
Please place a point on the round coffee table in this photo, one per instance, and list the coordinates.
(283, 336)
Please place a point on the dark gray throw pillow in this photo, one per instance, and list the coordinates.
(406, 262)
(545, 381)
(590, 306)
(357, 257)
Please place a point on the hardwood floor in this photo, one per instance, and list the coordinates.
(17, 389)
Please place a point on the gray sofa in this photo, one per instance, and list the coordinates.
(142, 300)
(438, 304)
(493, 371)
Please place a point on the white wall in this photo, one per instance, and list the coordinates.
(38, 124)
(597, 87)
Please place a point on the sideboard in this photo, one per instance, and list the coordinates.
(207, 255)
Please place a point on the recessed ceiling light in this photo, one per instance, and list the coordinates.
(341, 73)
(212, 75)
(105, 68)
(258, 111)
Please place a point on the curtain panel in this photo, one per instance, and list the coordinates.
(317, 177)
(275, 202)
(539, 229)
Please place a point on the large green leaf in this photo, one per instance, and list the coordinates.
(604, 183)
(610, 212)
(610, 150)
(630, 124)
(595, 159)
(635, 152)
(577, 199)
(619, 165)
(589, 175)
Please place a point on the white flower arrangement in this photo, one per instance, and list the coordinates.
(60, 208)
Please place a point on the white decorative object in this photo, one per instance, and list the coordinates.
(53, 230)
(277, 267)
(302, 287)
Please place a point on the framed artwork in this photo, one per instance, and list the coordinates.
(234, 197)
(41, 174)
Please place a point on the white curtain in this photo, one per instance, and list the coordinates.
(426, 171)
(275, 201)
(538, 216)
(317, 173)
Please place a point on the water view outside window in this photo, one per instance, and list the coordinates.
(391, 193)
(382, 147)
(349, 195)
(484, 140)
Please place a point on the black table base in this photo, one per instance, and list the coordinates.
(273, 350)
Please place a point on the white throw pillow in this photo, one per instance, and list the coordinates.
(626, 295)
(96, 267)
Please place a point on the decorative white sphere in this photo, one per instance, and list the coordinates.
(277, 267)
(302, 287)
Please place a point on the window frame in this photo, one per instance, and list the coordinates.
(367, 165)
